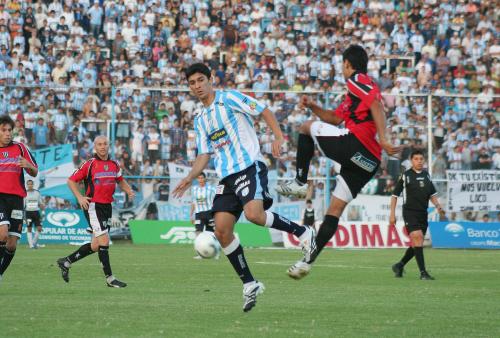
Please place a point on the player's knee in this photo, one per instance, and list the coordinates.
(223, 236)
(305, 128)
(11, 245)
(4, 237)
(256, 216)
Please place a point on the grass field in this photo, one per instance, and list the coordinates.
(349, 293)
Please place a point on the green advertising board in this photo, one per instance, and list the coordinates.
(182, 232)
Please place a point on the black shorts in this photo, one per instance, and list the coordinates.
(33, 218)
(11, 213)
(236, 190)
(99, 217)
(358, 164)
(415, 221)
(203, 219)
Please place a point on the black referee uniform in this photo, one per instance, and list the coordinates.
(417, 189)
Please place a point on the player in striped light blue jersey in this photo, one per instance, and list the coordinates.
(202, 196)
(225, 128)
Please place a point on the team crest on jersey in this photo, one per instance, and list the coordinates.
(106, 167)
(5, 154)
(252, 105)
(421, 184)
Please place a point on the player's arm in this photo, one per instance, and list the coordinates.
(325, 115)
(378, 115)
(394, 198)
(191, 213)
(199, 164)
(124, 186)
(27, 162)
(272, 122)
(79, 175)
(435, 200)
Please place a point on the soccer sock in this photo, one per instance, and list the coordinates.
(325, 233)
(419, 256)
(104, 258)
(30, 239)
(35, 239)
(305, 152)
(7, 258)
(234, 252)
(275, 221)
(82, 252)
(409, 253)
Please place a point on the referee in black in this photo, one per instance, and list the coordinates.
(417, 188)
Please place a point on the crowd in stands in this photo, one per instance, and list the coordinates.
(66, 65)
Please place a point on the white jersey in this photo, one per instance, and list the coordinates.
(202, 198)
(226, 129)
(33, 200)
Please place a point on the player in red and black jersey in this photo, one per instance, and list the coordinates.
(100, 175)
(15, 159)
(355, 146)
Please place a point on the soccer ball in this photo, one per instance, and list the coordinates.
(206, 245)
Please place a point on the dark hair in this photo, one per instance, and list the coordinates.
(28, 181)
(197, 68)
(203, 174)
(357, 57)
(416, 152)
(309, 201)
(5, 119)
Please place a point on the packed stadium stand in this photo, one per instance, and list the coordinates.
(69, 68)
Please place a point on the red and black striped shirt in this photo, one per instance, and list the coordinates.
(355, 111)
(11, 174)
(100, 178)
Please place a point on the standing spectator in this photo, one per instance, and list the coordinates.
(153, 141)
(96, 14)
(41, 134)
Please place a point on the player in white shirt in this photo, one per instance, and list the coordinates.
(33, 204)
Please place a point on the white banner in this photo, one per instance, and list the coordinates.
(475, 190)
(362, 235)
(370, 208)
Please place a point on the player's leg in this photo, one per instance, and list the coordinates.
(29, 234)
(398, 268)
(198, 228)
(4, 235)
(417, 241)
(102, 213)
(224, 231)
(15, 216)
(37, 223)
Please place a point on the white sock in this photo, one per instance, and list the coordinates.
(30, 239)
(35, 240)
(109, 279)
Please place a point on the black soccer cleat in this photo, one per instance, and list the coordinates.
(398, 270)
(64, 269)
(425, 276)
(115, 283)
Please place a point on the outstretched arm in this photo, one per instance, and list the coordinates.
(325, 115)
(272, 122)
(199, 164)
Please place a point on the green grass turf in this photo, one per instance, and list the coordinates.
(349, 293)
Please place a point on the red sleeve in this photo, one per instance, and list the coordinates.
(362, 87)
(27, 155)
(343, 108)
(82, 172)
(119, 174)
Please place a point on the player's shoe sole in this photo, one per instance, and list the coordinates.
(292, 188)
(299, 270)
(250, 295)
(426, 276)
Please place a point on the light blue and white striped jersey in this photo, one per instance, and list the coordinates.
(226, 129)
(202, 198)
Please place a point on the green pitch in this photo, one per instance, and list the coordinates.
(349, 293)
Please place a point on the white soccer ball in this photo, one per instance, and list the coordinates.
(207, 245)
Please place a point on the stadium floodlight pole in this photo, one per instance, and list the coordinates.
(429, 133)
(113, 121)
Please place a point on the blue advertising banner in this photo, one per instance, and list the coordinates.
(61, 227)
(465, 235)
(51, 157)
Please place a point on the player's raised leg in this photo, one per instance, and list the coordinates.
(305, 153)
(224, 231)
